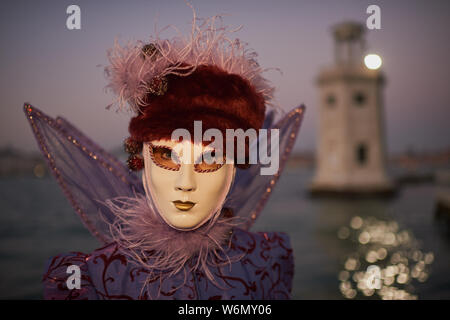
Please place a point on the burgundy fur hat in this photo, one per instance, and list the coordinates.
(219, 99)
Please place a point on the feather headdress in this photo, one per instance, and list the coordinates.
(133, 71)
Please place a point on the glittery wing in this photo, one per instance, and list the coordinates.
(251, 189)
(87, 174)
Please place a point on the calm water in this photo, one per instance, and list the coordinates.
(327, 235)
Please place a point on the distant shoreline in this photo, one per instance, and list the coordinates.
(415, 166)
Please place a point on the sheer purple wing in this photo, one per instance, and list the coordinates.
(87, 174)
(251, 190)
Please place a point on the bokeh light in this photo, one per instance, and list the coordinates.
(387, 264)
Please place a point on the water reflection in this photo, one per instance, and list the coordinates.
(388, 262)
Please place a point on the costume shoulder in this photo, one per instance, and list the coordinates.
(69, 276)
(280, 264)
(268, 260)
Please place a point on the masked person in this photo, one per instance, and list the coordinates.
(181, 231)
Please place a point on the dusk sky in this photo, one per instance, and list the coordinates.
(57, 70)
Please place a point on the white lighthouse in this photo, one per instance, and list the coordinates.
(351, 153)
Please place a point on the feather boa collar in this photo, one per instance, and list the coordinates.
(143, 236)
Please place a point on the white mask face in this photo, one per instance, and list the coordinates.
(185, 196)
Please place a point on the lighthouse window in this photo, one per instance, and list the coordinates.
(359, 98)
(361, 154)
(331, 100)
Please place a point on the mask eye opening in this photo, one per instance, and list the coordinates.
(175, 166)
(204, 167)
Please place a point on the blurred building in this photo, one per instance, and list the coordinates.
(15, 163)
(351, 155)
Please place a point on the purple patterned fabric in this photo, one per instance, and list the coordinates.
(265, 272)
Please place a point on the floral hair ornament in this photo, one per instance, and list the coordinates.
(135, 160)
(157, 85)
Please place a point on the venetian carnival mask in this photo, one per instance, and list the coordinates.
(187, 191)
